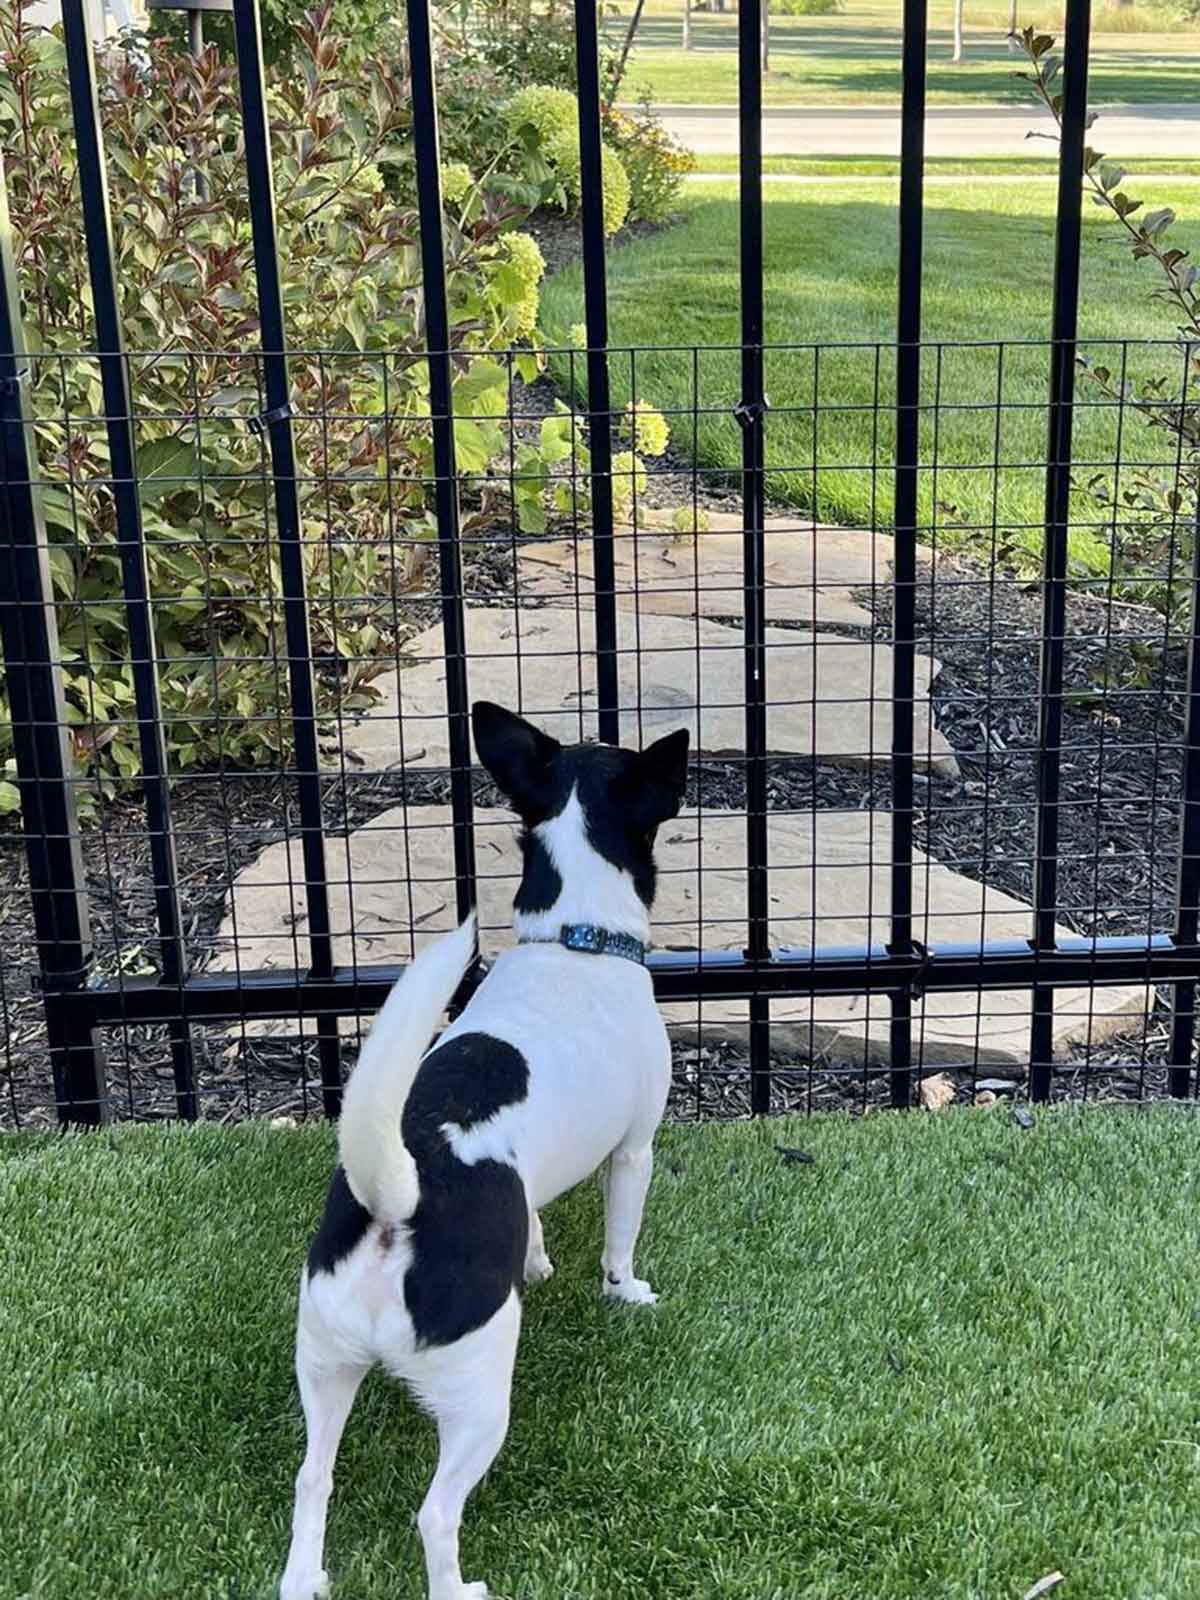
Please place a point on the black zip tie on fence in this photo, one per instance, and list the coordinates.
(915, 987)
(264, 419)
(20, 380)
(748, 412)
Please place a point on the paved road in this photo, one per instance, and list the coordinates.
(1126, 131)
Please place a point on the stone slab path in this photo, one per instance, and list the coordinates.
(829, 696)
(810, 573)
(392, 882)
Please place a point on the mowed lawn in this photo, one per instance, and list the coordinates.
(943, 1358)
(853, 58)
(831, 280)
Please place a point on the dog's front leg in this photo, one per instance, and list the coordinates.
(327, 1396)
(625, 1186)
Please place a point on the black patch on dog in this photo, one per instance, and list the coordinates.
(624, 794)
(614, 829)
(342, 1227)
(470, 1231)
(540, 881)
(464, 1081)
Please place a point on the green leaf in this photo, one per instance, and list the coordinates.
(1155, 223)
(10, 797)
(531, 515)
(162, 464)
(475, 444)
(556, 439)
(482, 391)
(529, 365)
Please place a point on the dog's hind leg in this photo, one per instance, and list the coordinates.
(538, 1265)
(625, 1186)
(467, 1387)
(327, 1393)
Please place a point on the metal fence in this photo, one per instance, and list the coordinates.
(931, 833)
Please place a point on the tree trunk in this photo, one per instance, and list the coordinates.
(687, 24)
(766, 36)
(1014, 38)
(958, 30)
(623, 62)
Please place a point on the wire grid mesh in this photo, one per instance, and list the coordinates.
(253, 909)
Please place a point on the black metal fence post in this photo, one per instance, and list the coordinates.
(751, 415)
(29, 635)
(1187, 916)
(904, 581)
(1065, 322)
(118, 408)
(276, 424)
(441, 408)
(599, 404)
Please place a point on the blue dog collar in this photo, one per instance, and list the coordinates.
(592, 941)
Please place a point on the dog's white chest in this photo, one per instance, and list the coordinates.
(597, 1054)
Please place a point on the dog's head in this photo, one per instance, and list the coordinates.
(624, 796)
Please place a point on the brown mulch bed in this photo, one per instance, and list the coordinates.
(1121, 790)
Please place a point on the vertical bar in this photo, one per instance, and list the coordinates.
(1064, 326)
(441, 408)
(751, 414)
(595, 293)
(904, 586)
(278, 429)
(118, 409)
(29, 635)
(1187, 917)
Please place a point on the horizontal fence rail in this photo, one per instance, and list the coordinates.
(922, 738)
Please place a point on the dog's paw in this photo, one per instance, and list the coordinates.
(314, 1588)
(539, 1269)
(633, 1291)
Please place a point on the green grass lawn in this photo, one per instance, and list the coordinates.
(945, 1358)
(853, 58)
(831, 276)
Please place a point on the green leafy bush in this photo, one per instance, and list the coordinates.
(553, 474)
(1150, 510)
(543, 123)
(542, 112)
(562, 152)
(806, 8)
(350, 259)
(363, 27)
(655, 163)
(525, 43)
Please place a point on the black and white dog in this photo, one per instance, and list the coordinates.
(559, 1063)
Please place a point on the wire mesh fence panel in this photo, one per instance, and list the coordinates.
(927, 609)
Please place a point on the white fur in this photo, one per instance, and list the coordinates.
(593, 890)
(599, 1069)
(379, 1169)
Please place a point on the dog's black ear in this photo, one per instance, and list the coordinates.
(662, 776)
(516, 754)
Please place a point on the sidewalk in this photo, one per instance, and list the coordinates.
(1124, 132)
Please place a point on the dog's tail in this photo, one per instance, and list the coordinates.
(379, 1169)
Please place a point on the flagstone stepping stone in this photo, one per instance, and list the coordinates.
(810, 572)
(392, 882)
(830, 696)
